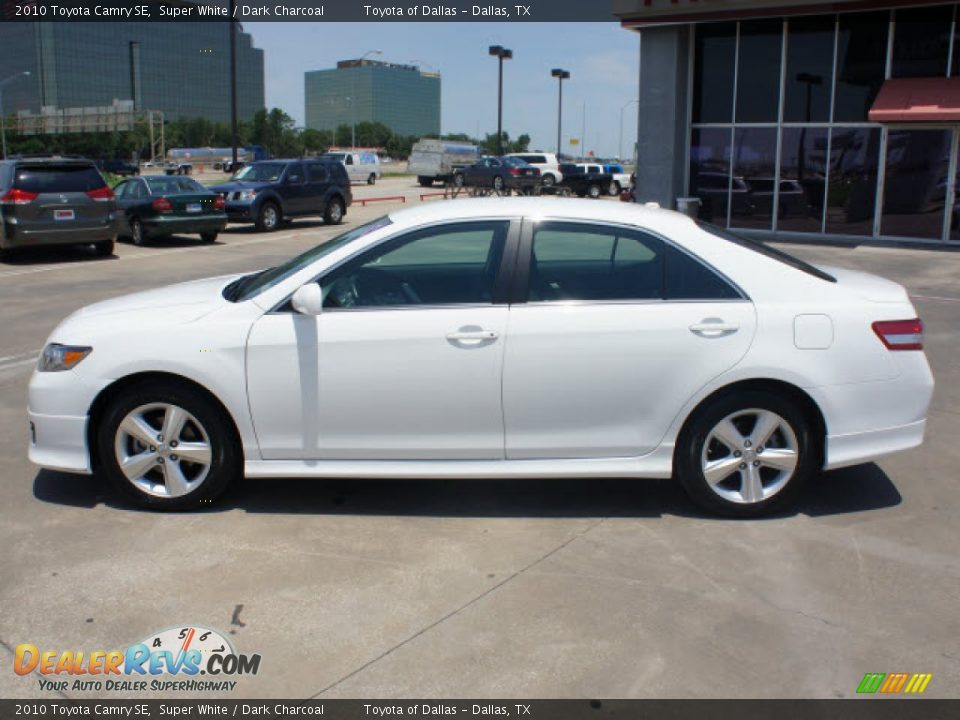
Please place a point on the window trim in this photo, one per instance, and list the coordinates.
(519, 286)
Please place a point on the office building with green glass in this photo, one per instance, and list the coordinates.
(181, 69)
(802, 119)
(402, 97)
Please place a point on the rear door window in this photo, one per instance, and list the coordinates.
(58, 178)
(316, 172)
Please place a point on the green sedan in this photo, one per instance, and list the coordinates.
(158, 205)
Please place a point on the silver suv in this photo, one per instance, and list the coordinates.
(55, 201)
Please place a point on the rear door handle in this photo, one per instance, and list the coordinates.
(714, 328)
(461, 335)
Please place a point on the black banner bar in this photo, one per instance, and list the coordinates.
(853, 709)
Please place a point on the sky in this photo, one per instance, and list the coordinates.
(603, 60)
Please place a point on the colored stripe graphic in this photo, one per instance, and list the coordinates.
(918, 683)
(894, 683)
(871, 683)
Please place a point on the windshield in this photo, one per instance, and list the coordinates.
(251, 285)
(261, 172)
(334, 156)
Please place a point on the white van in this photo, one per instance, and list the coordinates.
(363, 166)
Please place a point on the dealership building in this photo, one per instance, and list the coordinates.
(802, 119)
(402, 97)
(180, 69)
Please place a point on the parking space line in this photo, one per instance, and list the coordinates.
(936, 297)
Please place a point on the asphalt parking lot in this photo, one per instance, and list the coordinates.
(485, 588)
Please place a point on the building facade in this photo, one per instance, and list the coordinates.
(802, 119)
(180, 69)
(402, 97)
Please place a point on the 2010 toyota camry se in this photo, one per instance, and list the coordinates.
(508, 337)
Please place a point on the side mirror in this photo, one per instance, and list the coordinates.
(308, 299)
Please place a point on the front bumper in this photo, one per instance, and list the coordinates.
(242, 212)
(58, 406)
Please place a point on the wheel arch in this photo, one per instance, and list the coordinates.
(103, 399)
(808, 406)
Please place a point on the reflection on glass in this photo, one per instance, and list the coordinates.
(714, 50)
(852, 186)
(809, 70)
(754, 163)
(710, 172)
(915, 183)
(758, 71)
(803, 157)
(861, 63)
(921, 42)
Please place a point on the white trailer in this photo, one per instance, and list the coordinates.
(432, 160)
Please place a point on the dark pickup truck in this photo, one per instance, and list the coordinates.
(580, 180)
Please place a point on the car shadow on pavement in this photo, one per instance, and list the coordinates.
(851, 490)
(297, 224)
(25, 257)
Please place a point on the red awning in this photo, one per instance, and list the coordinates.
(918, 100)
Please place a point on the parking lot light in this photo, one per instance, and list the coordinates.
(501, 53)
(561, 75)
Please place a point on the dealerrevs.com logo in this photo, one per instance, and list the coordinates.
(170, 660)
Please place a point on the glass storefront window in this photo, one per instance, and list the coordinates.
(852, 185)
(915, 183)
(861, 64)
(921, 41)
(754, 175)
(715, 48)
(758, 71)
(710, 172)
(803, 179)
(809, 69)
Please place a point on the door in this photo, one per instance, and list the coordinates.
(318, 183)
(120, 193)
(293, 190)
(404, 362)
(615, 331)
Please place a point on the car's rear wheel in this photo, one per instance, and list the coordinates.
(458, 180)
(210, 237)
(425, 181)
(372, 179)
(746, 454)
(167, 447)
(333, 215)
(548, 180)
(614, 189)
(137, 235)
(594, 191)
(104, 248)
(269, 217)
(498, 183)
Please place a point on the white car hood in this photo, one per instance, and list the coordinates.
(194, 298)
(870, 287)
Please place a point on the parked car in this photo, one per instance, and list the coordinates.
(546, 163)
(361, 166)
(177, 167)
(791, 199)
(266, 193)
(121, 168)
(584, 181)
(415, 346)
(622, 180)
(713, 189)
(439, 160)
(500, 173)
(55, 201)
(158, 205)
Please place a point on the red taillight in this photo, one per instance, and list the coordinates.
(100, 194)
(16, 196)
(218, 203)
(900, 334)
(515, 171)
(162, 205)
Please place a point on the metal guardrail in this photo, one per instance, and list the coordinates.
(386, 198)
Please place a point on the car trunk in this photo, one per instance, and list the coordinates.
(192, 204)
(62, 200)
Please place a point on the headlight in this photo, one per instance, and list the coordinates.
(247, 194)
(56, 357)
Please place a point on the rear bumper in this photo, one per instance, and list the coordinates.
(15, 236)
(184, 225)
(844, 450)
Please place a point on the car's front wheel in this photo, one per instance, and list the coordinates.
(269, 217)
(167, 447)
(333, 215)
(746, 454)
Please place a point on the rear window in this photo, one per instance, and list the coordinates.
(766, 250)
(58, 178)
(171, 186)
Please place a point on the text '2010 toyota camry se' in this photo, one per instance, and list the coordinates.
(512, 337)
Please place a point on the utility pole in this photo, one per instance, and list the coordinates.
(501, 53)
(234, 140)
(561, 75)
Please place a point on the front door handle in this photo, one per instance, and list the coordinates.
(714, 328)
(472, 336)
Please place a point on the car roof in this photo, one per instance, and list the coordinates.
(655, 218)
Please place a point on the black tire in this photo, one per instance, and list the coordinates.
(104, 248)
(548, 180)
(458, 181)
(614, 189)
(333, 214)
(269, 217)
(425, 181)
(372, 180)
(210, 237)
(498, 183)
(6, 254)
(594, 191)
(690, 456)
(137, 234)
(225, 455)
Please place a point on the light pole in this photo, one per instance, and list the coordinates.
(620, 144)
(353, 101)
(560, 75)
(501, 53)
(3, 118)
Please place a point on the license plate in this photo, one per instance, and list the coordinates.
(194, 207)
(64, 215)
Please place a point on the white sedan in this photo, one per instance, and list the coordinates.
(508, 337)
